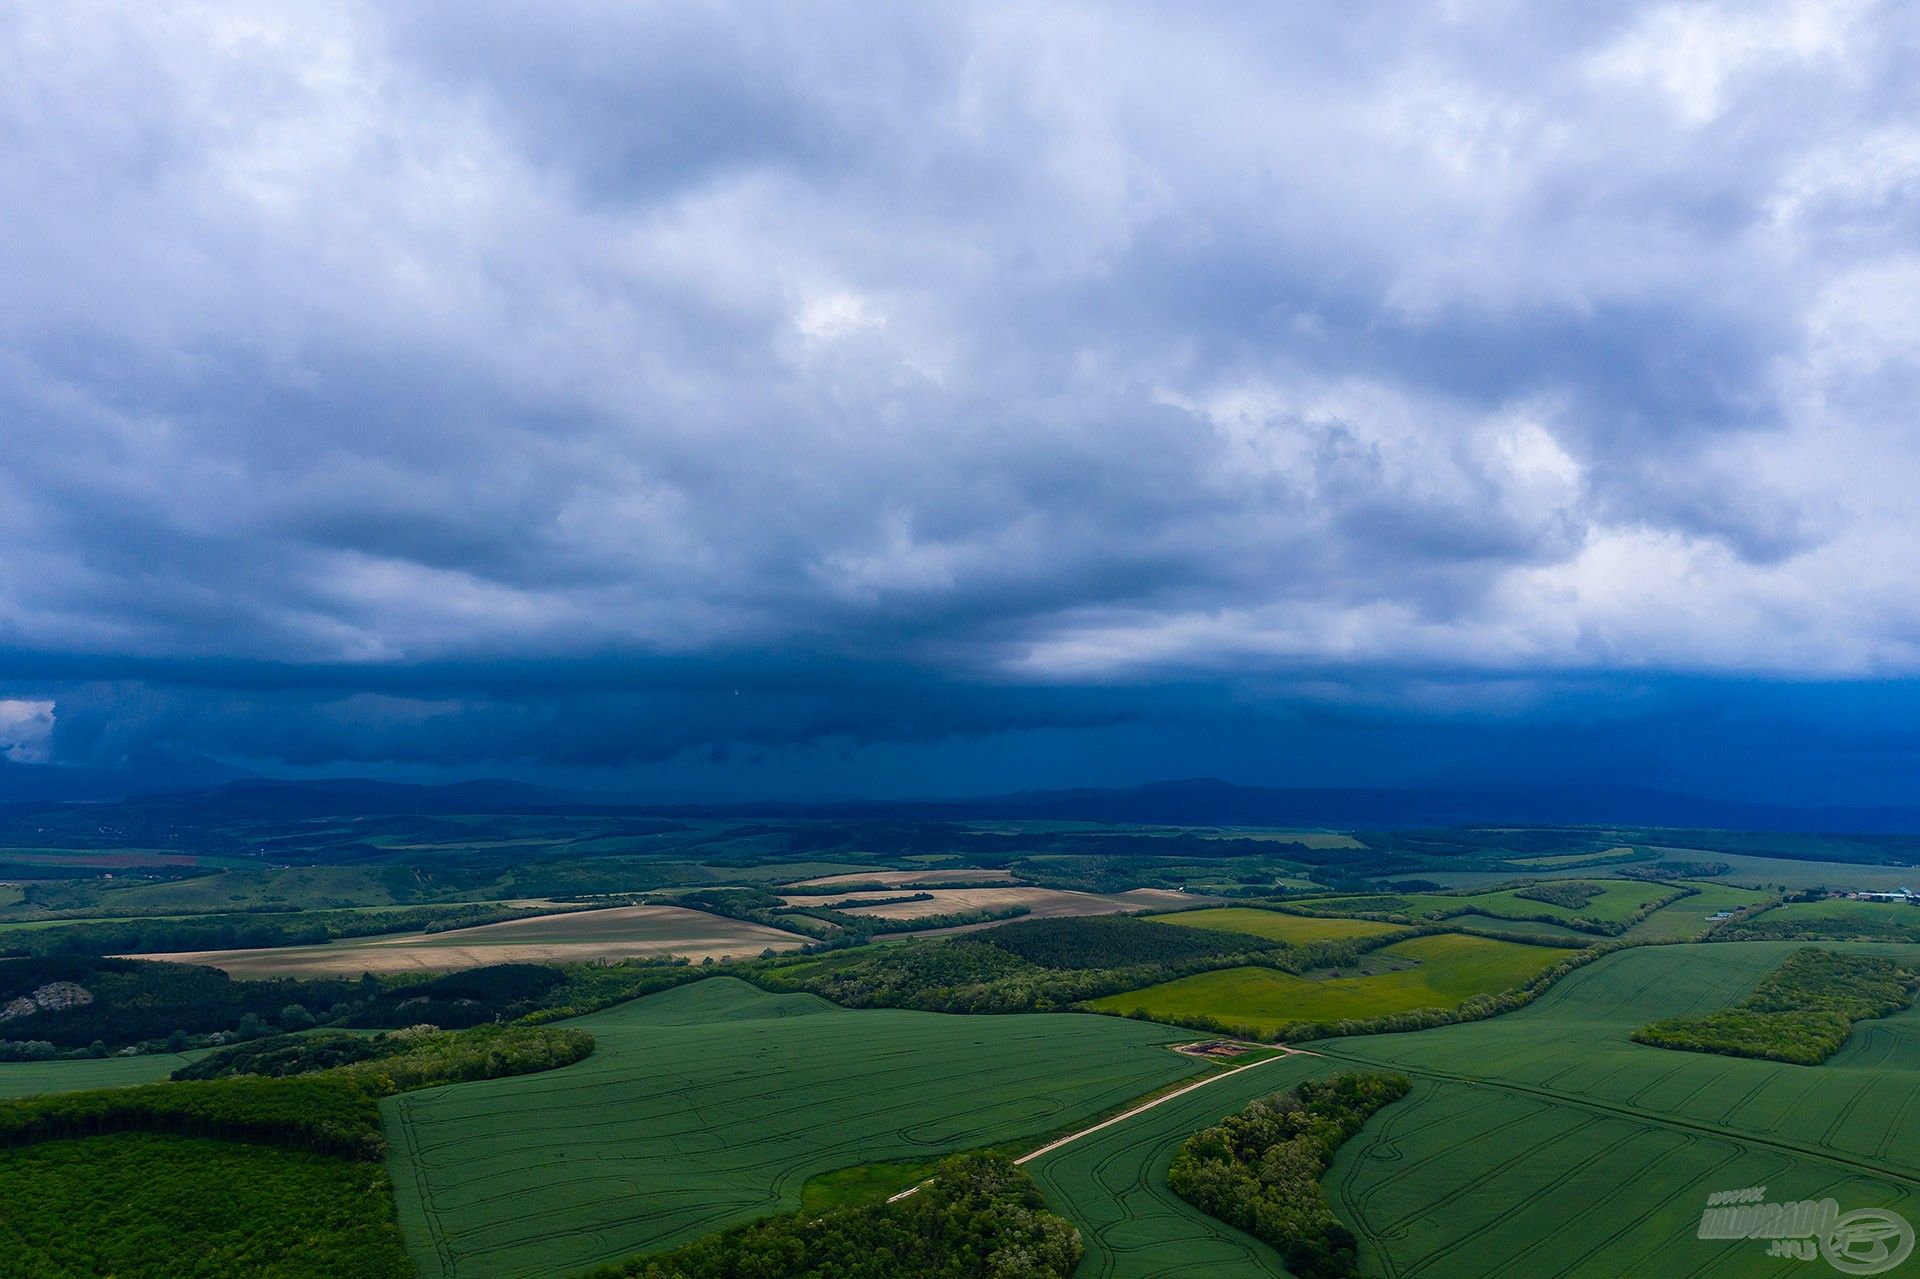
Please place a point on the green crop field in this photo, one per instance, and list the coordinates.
(714, 1103)
(25, 1078)
(1522, 928)
(1448, 969)
(1749, 871)
(1546, 1143)
(1618, 899)
(1840, 918)
(1277, 925)
(1688, 918)
(1113, 1185)
(1618, 855)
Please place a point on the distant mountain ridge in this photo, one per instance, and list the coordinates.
(1209, 801)
(1201, 801)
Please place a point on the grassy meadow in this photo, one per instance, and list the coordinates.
(1443, 971)
(715, 1103)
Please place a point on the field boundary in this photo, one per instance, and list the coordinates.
(1283, 1053)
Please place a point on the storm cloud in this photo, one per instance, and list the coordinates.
(516, 383)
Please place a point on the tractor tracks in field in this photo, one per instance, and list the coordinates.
(1741, 1136)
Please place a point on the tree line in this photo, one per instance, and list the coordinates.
(1260, 1170)
(979, 1217)
(1803, 1013)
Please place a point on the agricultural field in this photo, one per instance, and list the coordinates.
(1113, 1185)
(714, 1103)
(1041, 903)
(1547, 1143)
(1620, 854)
(1749, 871)
(1278, 925)
(1839, 918)
(622, 932)
(1302, 838)
(26, 1078)
(1522, 928)
(900, 878)
(1440, 971)
(1689, 918)
(1614, 901)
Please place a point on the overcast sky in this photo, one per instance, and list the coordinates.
(941, 397)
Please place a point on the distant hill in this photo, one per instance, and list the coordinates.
(1192, 802)
(1211, 802)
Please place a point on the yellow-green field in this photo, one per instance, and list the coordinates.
(1277, 925)
(1447, 970)
(1616, 900)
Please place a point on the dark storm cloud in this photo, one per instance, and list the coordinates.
(936, 370)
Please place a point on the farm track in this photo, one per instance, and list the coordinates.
(714, 1103)
(1538, 1145)
(1070, 1138)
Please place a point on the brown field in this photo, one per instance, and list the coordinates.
(1041, 903)
(622, 932)
(898, 878)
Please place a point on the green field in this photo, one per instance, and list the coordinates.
(1687, 919)
(1522, 928)
(25, 1078)
(1618, 855)
(1618, 899)
(1447, 969)
(1840, 918)
(1749, 871)
(714, 1103)
(1277, 925)
(145, 1206)
(1113, 1185)
(1545, 1143)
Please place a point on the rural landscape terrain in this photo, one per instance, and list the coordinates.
(385, 1031)
(1030, 639)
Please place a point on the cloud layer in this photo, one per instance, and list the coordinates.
(1039, 346)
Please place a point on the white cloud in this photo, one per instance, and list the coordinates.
(26, 730)
(1040, 339)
